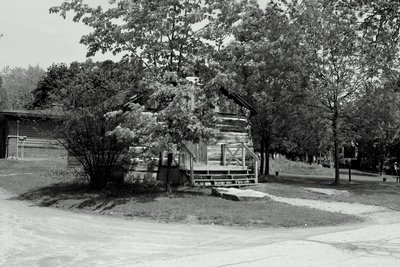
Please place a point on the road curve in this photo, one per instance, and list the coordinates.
(35, 236)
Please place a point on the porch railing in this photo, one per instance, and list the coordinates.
(235, 154)
(231, 154)
(188, 158)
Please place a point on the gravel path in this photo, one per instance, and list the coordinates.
(341, 207)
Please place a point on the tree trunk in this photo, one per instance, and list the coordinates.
(336, 145)
(384, 156)
(382, 163)
(168, 178)
(159, 166)
(267, 151)
(262, 151)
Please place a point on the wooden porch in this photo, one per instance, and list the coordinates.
(227, 165)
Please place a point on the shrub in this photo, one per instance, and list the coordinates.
(85, 135)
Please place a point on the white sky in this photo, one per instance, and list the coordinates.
(32, 36)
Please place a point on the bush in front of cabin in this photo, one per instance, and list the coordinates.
(85, 135)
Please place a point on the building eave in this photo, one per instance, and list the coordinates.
(25, 114)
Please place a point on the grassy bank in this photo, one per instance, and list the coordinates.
(51, 186)
(183, 206)
(285, 166)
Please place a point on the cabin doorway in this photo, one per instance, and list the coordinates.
(199, 151)
(202, 153)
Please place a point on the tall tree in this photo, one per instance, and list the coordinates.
(330, 34)
(161, 34)
(167, 38)
(262, 65)
(3, 95)
(378, 123)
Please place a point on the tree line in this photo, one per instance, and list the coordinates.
(321, 74)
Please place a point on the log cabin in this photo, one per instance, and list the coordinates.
(230, 161)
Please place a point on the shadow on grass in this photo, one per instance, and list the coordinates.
(361, 173)
(78, 195)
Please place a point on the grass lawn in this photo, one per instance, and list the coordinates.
(285, 166)
(183, 206)
(366, 189)
(48, 184)
(22, 176)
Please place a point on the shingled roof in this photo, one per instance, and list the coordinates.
(237, 99)
(43, 114)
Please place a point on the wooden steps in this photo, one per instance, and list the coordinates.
(222, 177)
(223, 182)
(215, 168)
(230, 163)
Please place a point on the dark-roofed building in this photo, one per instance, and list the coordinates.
(29, 135)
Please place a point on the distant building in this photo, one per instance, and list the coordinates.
(29, 135)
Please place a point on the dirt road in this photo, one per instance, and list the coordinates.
(34, 236)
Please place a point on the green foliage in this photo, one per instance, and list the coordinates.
(17, 86)
(178, 119)
(380, 27)
(86, 84)
(86, 92)
(3, 95)
(86, 135)
(172, 40)
(378, 124)
(161, 34)
(187, 116)
(263, 66)
(329, 34)
(135, 127)
(309, 68)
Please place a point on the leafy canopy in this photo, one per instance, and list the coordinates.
(165, 35)
(17, 86)
(171, 39)
(86, 84)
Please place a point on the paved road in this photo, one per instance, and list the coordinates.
(34, 236)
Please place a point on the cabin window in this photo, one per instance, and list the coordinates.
(151, 105)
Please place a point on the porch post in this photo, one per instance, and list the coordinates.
(256, 171)
(191, 171)
(243, 157)
(223, 155)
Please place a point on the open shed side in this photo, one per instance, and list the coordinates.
(28, 135)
